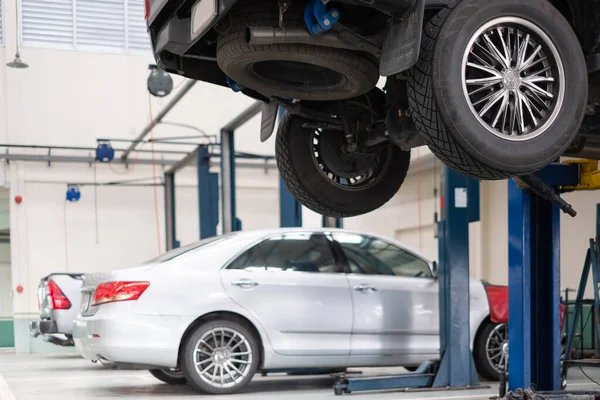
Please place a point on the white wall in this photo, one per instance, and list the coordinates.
(72, 98)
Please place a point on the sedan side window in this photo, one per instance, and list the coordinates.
(367, 255)
(250, 260)
(304, 252)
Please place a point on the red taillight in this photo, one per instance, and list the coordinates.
(59, 300)
(118, 291)
(146, 9)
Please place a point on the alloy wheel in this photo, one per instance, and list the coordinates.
(222, 357)
(496, 348)
(513, 78)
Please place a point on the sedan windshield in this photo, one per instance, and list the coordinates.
(171, 254)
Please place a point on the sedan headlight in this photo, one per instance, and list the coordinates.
(203, 13)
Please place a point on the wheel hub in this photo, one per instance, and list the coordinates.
(336, 157)
(220, 356)
(511, 80)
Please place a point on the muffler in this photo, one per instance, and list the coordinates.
(266, 36)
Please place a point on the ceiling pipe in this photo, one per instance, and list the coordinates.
(176, 98)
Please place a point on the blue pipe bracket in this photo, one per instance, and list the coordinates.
(236, 87)
(318, 19)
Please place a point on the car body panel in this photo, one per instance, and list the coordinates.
(304, 315)
(54, 321)
(410, 328)
(282, 307)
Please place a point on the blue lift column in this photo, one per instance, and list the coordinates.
(332, 222)
(171, 234)
(230, 220)
(208, 195)
(457, 368)
(534, 282)
(290, 209)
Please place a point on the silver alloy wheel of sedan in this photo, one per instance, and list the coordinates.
(496, 348)
(222, 357)
(513, 78)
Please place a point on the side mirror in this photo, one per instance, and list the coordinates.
(434, 269)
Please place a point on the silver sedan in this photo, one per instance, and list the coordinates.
(215, 312)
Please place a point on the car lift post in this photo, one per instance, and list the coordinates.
(534, 280)
(208, 195)
(456, 370)
(290, 209)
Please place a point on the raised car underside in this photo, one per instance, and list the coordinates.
(494, 89)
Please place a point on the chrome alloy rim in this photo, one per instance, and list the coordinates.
(222, 357)
(513, 78)
(496, 348)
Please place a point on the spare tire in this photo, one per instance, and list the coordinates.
(292, 71)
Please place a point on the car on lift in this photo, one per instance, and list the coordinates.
(215, 312)
(496, 89)
(59, 297)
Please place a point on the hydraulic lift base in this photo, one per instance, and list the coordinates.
(422, 380)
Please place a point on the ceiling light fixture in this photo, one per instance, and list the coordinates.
(17, 62)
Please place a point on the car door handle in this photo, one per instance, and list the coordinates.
(365, 288)
(244, 283)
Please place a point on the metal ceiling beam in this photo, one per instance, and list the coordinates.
(243, 117)
(176, 98)
(184, 162)
(91, 159)
(76, 159)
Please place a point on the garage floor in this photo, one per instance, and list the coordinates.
(49, 377)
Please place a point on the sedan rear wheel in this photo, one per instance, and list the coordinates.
(220, 357)
(168, 376)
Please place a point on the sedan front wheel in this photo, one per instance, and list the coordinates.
(220, 357)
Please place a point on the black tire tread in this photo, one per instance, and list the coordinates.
(297, 187)
(286, 170)
(425, 113)
(161, 376)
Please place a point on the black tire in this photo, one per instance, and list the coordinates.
(170, 377)
(424, 111)
(277, 69)
(311, 187)
(482, 363)
(549, 29)
(188, 363)
(411, 369)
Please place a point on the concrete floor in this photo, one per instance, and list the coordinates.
(66, 376)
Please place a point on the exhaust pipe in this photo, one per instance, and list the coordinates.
(266, 36)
